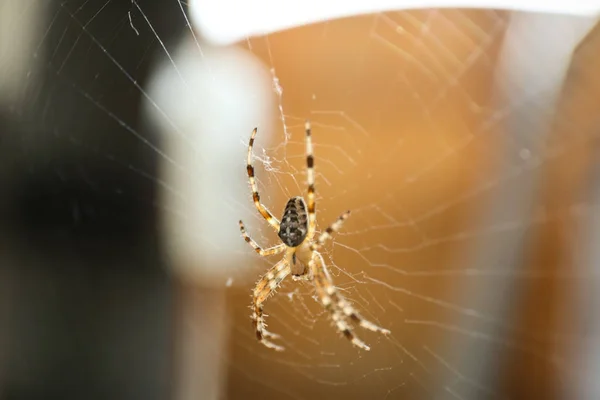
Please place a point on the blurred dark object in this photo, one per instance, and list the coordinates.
(84, 295)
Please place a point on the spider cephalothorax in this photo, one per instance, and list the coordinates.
(302, 259)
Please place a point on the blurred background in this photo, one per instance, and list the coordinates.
(463, 141)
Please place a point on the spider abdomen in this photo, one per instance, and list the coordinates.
(294, 224)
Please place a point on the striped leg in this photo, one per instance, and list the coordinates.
(338, 307)
(265, 288)
(261, 252)
(331, 229)
(310, 178)
(255, 196)
(324, 289)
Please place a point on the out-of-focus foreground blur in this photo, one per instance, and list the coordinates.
(463, 141)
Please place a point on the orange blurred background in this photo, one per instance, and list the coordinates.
(429, 127)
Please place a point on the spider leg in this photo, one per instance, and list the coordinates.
(306, 277)
(338, 307)
(261, 252)
(274, 222)
(265, 287)
(324, 289)
(331, 229)
(310, 178)
(341, 303)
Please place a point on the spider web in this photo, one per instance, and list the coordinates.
(416, 131)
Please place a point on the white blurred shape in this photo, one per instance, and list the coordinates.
(19, 34)
(200, 345)
(533, 64)
(205, 103)
(228, 21)
(209, 101)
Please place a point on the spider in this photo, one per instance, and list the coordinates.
(301, 257)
